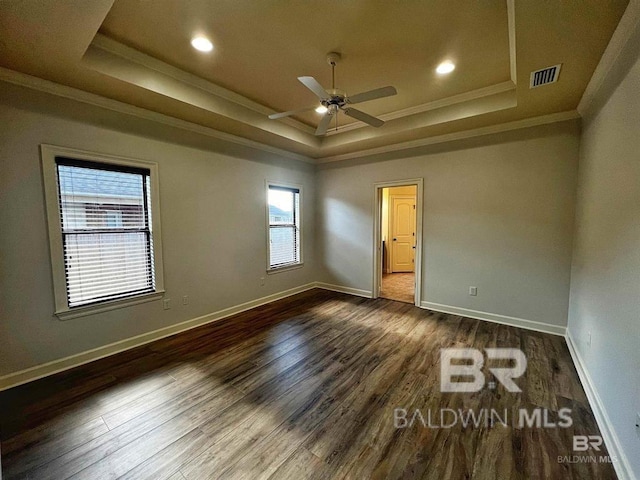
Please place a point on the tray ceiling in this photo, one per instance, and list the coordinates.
(138, 52)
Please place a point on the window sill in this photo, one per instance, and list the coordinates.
(284, 268)
(106, 306)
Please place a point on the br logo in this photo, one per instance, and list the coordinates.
(582, 443)
(472, 368)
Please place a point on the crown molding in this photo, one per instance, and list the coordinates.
(126, 64)
(450, 137)
(188, 85)
(623, 34)
(46, 86)
(511, 25)
(119, 61)
(116, 48)
(124, 52)
(440, 103)
(462, 97)
(135, 68)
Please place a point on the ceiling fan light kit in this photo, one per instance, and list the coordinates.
(335, 100)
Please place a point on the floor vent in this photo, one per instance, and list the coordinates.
(544, 76)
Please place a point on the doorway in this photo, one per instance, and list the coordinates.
(398, 241)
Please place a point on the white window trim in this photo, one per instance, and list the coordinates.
(289, 266)
(62, 309)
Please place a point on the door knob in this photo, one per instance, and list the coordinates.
(395, 239)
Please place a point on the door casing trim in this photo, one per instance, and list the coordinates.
(377, 240)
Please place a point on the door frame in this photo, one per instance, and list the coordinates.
(377, 238)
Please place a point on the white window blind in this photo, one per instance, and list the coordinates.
(284, 226)
(106, 230)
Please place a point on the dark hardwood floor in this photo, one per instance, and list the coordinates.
(305, 387)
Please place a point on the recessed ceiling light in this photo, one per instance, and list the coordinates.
(445, 67)
(322, 109)
(202, 44)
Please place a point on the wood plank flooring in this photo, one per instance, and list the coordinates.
(302, 388)
(398, 286)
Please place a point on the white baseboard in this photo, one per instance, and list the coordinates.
(50, 368)
(622, 466)
(339, 288)
(495, 318)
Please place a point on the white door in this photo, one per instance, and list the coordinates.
(403, 233)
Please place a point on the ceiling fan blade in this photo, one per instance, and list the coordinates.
(324, 124)
(275, 116)
(365, 117)
(372, 95)
(313, 85)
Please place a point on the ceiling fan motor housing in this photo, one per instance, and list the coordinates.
(337, 99)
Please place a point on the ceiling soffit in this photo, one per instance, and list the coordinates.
(117, 60)
(124, 73)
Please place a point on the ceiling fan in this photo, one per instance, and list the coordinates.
(335, 100)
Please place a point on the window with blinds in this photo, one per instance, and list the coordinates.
(284, 226)
(106, 230)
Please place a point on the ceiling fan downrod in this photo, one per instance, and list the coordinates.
(335, 100)
(333, 58)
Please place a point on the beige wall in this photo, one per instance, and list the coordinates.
(605, 283)
(498, 215)
(213, 229)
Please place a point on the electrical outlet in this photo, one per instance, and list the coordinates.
(473, 291)
(166, 304)
(262, 281)
(185, 300)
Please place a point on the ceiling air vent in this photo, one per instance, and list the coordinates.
(544, 76)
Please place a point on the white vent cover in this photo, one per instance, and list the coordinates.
(545, 76)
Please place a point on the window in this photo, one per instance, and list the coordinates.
(103, 225)
(284, 226)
